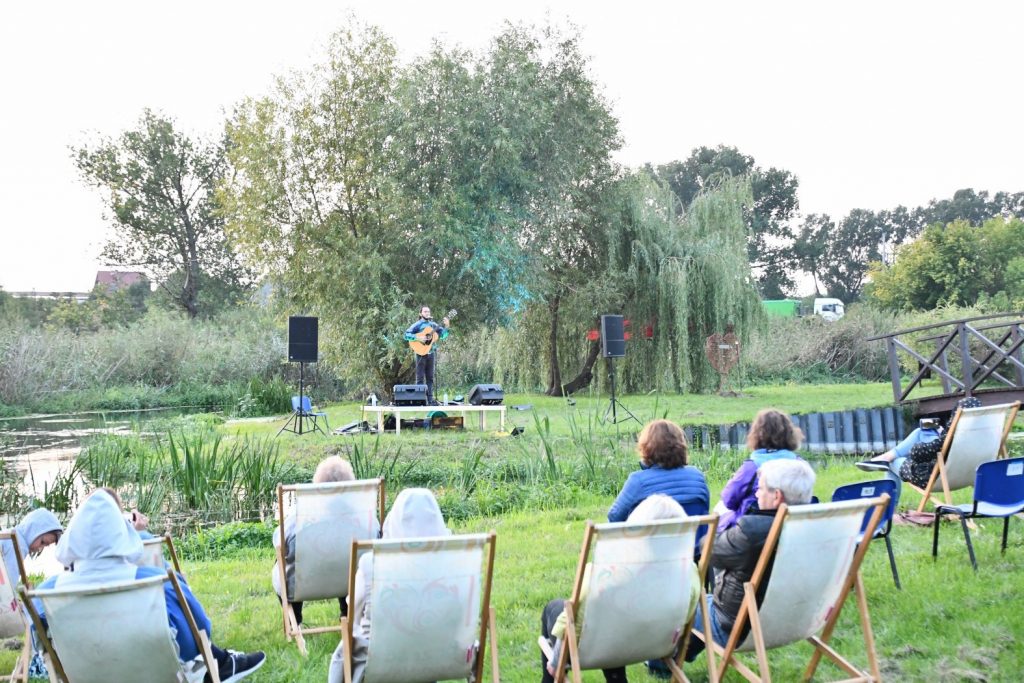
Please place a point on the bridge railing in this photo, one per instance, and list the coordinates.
(999, 346)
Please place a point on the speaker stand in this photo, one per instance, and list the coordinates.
(296, 421)
(615, 402)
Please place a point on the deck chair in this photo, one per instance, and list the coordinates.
(153, 553)
(975, 435)
(328, 517)
(135, 643)
(998, 492)
(12, 617)
(638, 598)
(431, 602)
(816, 552)
(872, 489)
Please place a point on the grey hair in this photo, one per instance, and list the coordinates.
(333, 468)
(793, 477)
(653, 508)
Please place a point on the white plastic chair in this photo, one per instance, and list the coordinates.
(976, 436)
(12, 618)
(328, 517)
(817, 551)
(118, 632)
(638, 597)
(431, 613)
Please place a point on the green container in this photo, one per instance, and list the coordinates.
(782, 308)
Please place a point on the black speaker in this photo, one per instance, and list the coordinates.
(303, 335)
(486, 395)
(613, 339)
(410, 395)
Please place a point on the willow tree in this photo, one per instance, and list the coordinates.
(677, 275)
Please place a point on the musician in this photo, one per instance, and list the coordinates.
(425, 364)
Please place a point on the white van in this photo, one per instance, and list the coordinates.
(829, 309)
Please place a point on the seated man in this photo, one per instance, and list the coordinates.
(101, 547)
(37, 530)
(332, 469)
(736, 552)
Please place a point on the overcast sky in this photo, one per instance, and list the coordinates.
(870, 104)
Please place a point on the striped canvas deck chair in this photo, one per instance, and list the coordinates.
(817, 561)
(12, 618)
(155, 552)
(328, 517)
(431, 610)
(135, 643)
(639, 595)
(975, 436)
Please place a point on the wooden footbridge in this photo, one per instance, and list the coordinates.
(978, 357)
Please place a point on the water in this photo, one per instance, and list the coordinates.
(40, 446)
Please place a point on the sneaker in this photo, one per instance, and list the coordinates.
(240, 665)
(873, 465)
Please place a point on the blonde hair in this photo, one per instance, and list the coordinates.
(653, 508)
(334, 468)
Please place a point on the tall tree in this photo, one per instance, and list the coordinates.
(768, 218)
(160, 186)
(367, 189)
(955, 264)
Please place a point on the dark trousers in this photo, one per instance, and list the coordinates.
(547, 622)
(297, 608)
(425, 373)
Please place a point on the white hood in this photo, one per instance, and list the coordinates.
(415, 514)
(35, 524)
(99, 531)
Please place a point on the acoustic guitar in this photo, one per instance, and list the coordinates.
(427, 337)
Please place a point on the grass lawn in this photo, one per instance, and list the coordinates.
(686, 409)
(536, 491)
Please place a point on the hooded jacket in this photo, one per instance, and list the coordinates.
(415, 514)
(740, 492)
(101, 546)
(34, 525)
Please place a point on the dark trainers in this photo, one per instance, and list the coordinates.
(873, 465)
(240, 665)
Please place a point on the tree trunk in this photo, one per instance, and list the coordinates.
(586, 374)
(554, 372)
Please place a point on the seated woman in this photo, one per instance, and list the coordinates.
(913, 459)
(773, 436)
(553, 620)
(38, 529)
(332, 469)
(415, 514)
(664, 469)
(101, 547)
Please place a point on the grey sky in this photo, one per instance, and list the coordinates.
(870, 104)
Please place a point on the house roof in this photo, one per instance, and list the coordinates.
(116, 279)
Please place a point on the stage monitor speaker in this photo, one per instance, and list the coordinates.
(613, 338)
(410, 395)
(486, 395)
(303, 334)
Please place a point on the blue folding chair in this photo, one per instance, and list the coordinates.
(998, 492)
(302, 410)
(872, 489)
(307, 410)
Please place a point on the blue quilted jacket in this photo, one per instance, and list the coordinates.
(685, 485)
